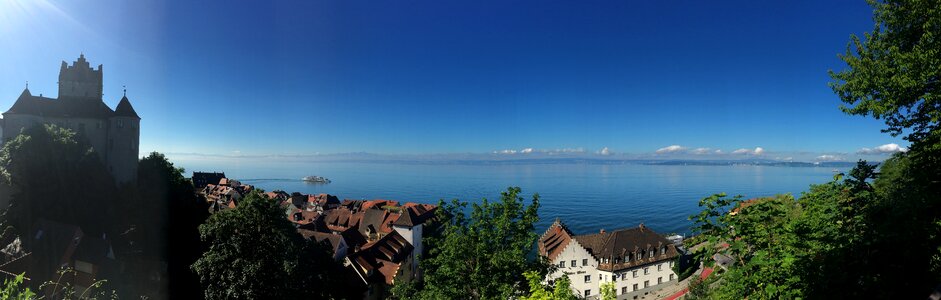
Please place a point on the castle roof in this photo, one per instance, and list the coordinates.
(66, 107)
(124, 109)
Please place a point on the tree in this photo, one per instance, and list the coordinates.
(169, 213)
(894, 73)
(256, 253)
(608, 292)
(58, 176)
(485, 255)
(560, 289)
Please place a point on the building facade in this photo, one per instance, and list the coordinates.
(114, 134)
(637, 260)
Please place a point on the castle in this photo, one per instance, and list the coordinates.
(114, 134)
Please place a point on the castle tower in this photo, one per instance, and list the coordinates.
(79, 80)
(123, 140)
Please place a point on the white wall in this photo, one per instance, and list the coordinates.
(574, 251)
(628, 280)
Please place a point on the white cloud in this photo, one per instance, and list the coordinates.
(701, 151)
(756, 151)
(884, 149)
(718, 151)
(506, 151)
(527, 150)
(671, 149)
(828, 157)
(605, 151)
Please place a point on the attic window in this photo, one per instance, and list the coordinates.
(38, 234)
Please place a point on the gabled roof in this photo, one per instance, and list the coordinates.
(124, 109)
(28, 104)
(632, 242)
(556, 238)
(333, 240)
(380, 260)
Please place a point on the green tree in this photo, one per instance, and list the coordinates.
(608, 292)
(57, 175)
(485, 255)
(14, 289)
(894, 72)
(169, 213)
(560, 289)
(256, 253)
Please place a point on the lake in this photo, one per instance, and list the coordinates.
(587, 197)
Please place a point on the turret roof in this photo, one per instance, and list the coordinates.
(125, 109)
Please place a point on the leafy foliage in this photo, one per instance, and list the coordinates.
(894, 72)
(46, 162)
(608, 292)
(256, 253)
(485, 255)
(13, 289)
(561, 289)
(169, 213)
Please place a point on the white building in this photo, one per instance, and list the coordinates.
(637, 260)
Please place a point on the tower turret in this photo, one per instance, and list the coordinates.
(79, 80)
(123, 140)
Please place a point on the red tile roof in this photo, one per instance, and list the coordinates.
(380, 260)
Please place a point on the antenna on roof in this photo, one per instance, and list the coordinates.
(27, 84)
(125, 90)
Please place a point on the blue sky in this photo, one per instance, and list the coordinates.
(433, 77)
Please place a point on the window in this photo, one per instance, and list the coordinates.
(623, 290)
(671, 263)
(635, 273)
(562, 264)
(587, 293)
(587, 278)
(617, 260)
(624, 276)
(81, 127)
(99, 125)
(659, 280)
(120, 123)
(599, 277)
(646, 283)
(584, 262)
(646, 271)
(671, 277)
(651, 253)
(635, 286)
(660, 267)
(663, 250)
(573, 263)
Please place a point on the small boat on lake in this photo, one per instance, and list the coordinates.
(316, 179)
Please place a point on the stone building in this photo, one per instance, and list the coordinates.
(114, 134)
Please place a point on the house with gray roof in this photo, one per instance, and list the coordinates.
(637, 260)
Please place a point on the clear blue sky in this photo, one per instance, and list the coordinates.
(427, 77)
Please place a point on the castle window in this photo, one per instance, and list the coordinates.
(120, 123)
(584, 262)
(99, 125)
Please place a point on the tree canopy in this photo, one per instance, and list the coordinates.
(57, 175)
(483, 255)
(894, 71)
(254, 252)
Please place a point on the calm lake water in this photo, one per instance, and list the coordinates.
(587, 197)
